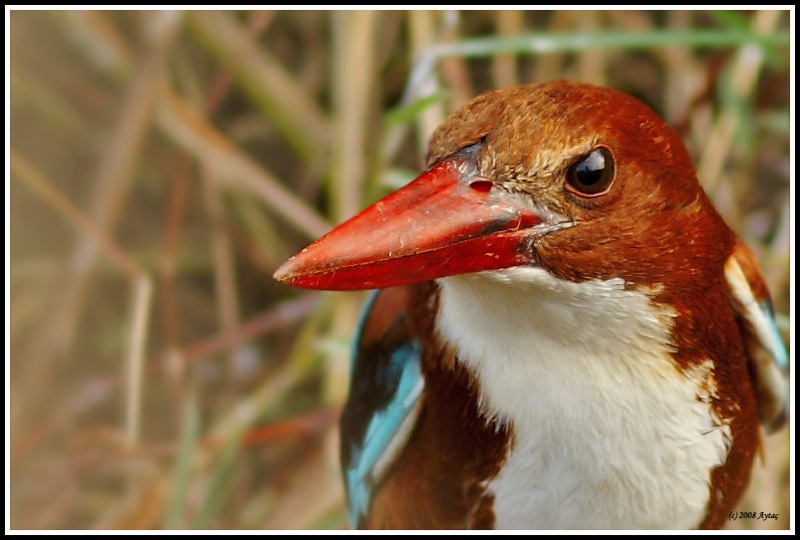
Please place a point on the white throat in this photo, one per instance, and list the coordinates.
(608, 433)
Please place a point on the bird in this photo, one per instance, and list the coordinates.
(563, 332)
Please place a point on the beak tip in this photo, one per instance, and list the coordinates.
(296, 271)
(284, 272)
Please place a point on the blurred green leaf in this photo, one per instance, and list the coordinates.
(730, 18)
(581, 41)
(409, 113)
(190, 430)
(220, 485)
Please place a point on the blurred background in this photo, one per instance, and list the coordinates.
(163, 164)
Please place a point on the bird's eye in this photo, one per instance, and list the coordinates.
(592, 174)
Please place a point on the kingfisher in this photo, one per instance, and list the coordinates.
(565, 334)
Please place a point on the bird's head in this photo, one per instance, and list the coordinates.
(582, 181)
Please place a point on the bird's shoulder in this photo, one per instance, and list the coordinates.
(386, 383)
(768, 363)
(416, 450)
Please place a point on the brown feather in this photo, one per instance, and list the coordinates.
(439, 479)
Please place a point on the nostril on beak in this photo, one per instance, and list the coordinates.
(481, 185)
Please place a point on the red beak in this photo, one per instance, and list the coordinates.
(448, 221)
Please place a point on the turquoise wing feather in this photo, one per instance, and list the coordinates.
(769, 362)
(384, 401)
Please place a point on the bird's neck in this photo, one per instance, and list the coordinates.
(513, 328)
(582, 374)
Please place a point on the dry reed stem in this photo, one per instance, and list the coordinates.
(744, 72)
(285, 102)
(505, 69)
(187, 129)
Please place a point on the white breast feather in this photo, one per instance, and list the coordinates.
(608, 433)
